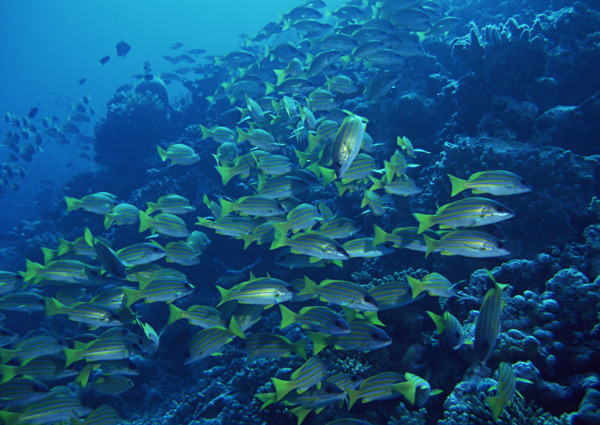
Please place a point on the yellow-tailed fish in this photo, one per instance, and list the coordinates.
(433, 283)
(494, 182)
(172, 204)
(342, 293)
(179, 154)
(467, 243)
(318, 319)
(347, 143)
(489, 320)
(306, 376)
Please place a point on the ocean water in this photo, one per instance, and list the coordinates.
(345, 212)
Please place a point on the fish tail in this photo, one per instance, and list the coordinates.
(300, 412)
(328, 175)
(266, 398)
(64, 246)
(31, 270)
(49, 254)
(108, 220)
(302, 157)
(53, 306)
(440, 323)
(281, 74)
(415, 285)
(206, 134)
(248, 239)
(226, 207)
(389, 171)
(319, 341)
(458, 184)
(241, 135)
(380, 235)
(373, 318)
(145, 221)
(151, 207)
(310, 287)
(84, 375)
(425, 221)
(6, 355)
(496, 405)
(430, 243)
(225, 295)
(175, 314)
(132, 295)
(163, 153)
(407, 389)
(288, 317)
(71, 355)
(377, 184)
(8, 372)
(235, 329)
(72, 203)
(227, 173)
(270, 88)
(300, 348)
(9, 418)
(282, 388)
(279, 240)
(88, 237)
(353, 396)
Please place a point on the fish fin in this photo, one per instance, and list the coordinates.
(288, 317)
(300, 412)
(353, 396)
(49, 254)
(282, 387)
(226, 207)
(310, 287)
(407, 389)
(373, 319)
(431, 245)
(8, 372)
(425, 221)
(279, 240)
(235, 329)
(64, 246)
(300, 348)
(206, 134)
(328, 175)
(31, 270)
(440, 323)
(132, 295)
(108, 220)
(380, 235)
(496, 404)
(87, 235)
(225, 295)
(350, 314)
(9, 418)
(416, 286)
(151, 207)
(163, 153)
(72, 203)
(145, 221)
(227, 173)
(458, 184)
(319, 341)
(53, 306)
(175, 314)
(72, 355)
(266, 398)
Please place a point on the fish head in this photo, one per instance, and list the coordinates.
(369, 303)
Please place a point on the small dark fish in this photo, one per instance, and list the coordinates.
(33, 112)
(82, 81)
(122, 49)
(104, 60)
(176, 46)
(196, 51)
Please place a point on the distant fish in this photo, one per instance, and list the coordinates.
(33, 112)
(176, 46)
(122, 49)
(104, 60)
(82, 81)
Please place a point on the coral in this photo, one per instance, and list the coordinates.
(403, 416)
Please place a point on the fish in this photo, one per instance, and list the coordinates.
(107, 257)
(209, 342)
(182, 253)
(10, 282)
(450, 327)
(256, 205)
(197, 315)
(178, 154)
(494, 182)
(99, 203)
(416, 389)
(53, 409)
(93, 314)
(229, 225)
(467, 243)
(104, 60)
(32, 347)
(176, 46)
(505, 389)
(140, 253)
(261, 291)
(341, 292)
(171, 203)
(112, 347)
(393, 294)
(272, 346)
(487, 327)
(306, 376)
(339, 228)
(404, 186)
(164, 224)
(122, 49)
(347, 143)
(374, 388)
(302, 217)
(164, 285)
(468, 212)
(22, 301)
(122, 214)
(219, 134)
(433, 283)
(318, 319)
(316, 246)
(362, 337)
(66, 271)
(364, 248)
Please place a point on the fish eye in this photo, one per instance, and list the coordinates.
(329, 389)
(338, 164)
(369, 299)
(375, 336)
(499, 245)
(337, 323)
(354, 378)
(499, 208)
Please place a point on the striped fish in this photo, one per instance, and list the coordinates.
(229, 225)
(341, 292)
(66, 271)
(259, 138)
(374, 388)
(209, 342)
(22, 301)
(345, 381)
(416, 389)
(281, 186)
(468, 212)
(219, 134)
(197, 315)
(178, 154)
(258, 291)
(272, 165)
(243, 167)
(171, 204)
(255, 205)
(99, 203)
(347, 143)
(364, 248)
(318, 319)
(450, 326)
(183, 253)
(164, 224)
(339, 228)
(404, 237)
(272, 346)
(121, 215)
(494, 182)
(434, 284)
(362, 337)
(393, 295)
(505, 389)
(32, 347)
(93, 314)
(361, 168)
(489, 321)
(315, 245)
(306, 376)
(140, 253)
(468, 243)
(116, 347)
